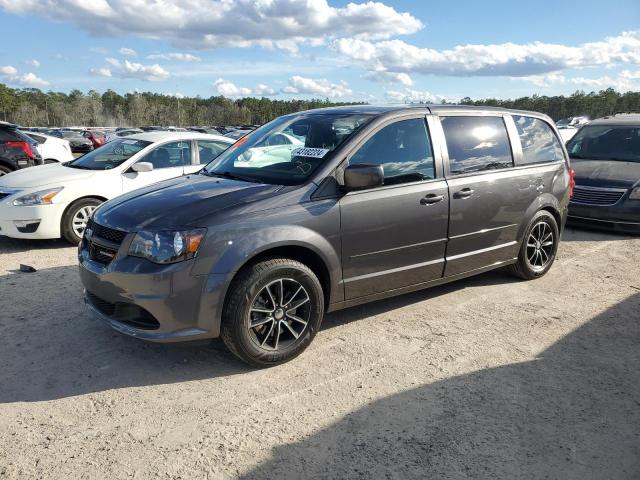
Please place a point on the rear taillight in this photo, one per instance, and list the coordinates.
(24, 146)
(572, 182)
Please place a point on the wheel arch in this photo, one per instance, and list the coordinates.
(545, 202)
(71, 204)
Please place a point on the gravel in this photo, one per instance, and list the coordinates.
(489, 377)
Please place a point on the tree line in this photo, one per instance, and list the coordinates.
(33, 107)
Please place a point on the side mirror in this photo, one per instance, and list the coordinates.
(142, 167)
(358, 177)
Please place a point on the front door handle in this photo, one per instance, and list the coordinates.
(431, 199)
(464, 193)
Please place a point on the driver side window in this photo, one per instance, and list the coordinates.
(403, 149)
(174, 154)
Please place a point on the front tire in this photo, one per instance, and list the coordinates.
(75, 219)
(539, 247)
(273, 311)
(4, 170)
(49, 161)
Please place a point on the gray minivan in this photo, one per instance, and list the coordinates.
(362, 203)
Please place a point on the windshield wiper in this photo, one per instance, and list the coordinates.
(230, 176)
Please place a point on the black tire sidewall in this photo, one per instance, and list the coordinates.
(67, 220)
(524, 262)
(5, 169)
(250, 285)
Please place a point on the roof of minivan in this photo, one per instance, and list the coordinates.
(433, 108)
(159, 136)
(619, 119)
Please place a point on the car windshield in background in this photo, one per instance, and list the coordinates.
(606, 142)
(110, 155)
(287, 150)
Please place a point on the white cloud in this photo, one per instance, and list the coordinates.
(129, 52)
(230, 89)
(10, 75)
(625, 81)
(33, 63)
(389, 77)
(226, 23)
(100, 72)
(509, 59)
(408, 95)
(321, 86)
(180, 57)
(129, 69)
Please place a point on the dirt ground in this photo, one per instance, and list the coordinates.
(486, 378)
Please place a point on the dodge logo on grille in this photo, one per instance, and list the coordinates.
(106, 253)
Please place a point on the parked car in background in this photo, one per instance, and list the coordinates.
(237, 134)
(17, 150)
(57, 200)
(119, 133)
(209, 130)
(567, 133)
(52, 149)
(97, 137)
(377, 201)
(605, 155)
(79, 143)
(572, 122)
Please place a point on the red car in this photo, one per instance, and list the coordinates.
(97, 138)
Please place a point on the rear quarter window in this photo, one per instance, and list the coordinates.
(476, 144)
(539, 142)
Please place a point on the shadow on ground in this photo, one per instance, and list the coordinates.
(15, 245)
(573, 412)
(52, 349)
(583, 234)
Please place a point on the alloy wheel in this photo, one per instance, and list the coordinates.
(80, 219)
(540, 246)
(279, 314)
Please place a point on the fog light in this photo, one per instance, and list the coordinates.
(27, 226)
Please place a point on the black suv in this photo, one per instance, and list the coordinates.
(363, 203)
(17, 150)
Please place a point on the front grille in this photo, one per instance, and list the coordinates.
(115, 236)
(597, 196)
(101, 254)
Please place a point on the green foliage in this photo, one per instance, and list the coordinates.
(594, 105)
(32, 107)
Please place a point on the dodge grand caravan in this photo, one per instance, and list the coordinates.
(376, 201)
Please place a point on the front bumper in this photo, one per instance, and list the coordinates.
(159, 303)
(49, 217)
(622, 217)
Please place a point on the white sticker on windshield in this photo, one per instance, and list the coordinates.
(309, 152)
(130, 142)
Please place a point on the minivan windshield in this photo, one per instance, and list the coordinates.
(288, 150)
(606, 142)
(110, 155)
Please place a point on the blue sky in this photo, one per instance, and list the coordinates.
(389, 51)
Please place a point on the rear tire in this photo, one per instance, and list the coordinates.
(4, 170)
(75, 219)
(539, 247)
(49, 161)
(273, 311)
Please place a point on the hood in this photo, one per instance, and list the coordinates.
(178, 202)
(606, 173)
(51, 174)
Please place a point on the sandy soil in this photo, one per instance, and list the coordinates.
(487, 378)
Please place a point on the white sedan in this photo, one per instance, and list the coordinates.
(53, 201)
(52, 149)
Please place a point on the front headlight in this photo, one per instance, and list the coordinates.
(43, 197)
(635, 194)
(167, 246)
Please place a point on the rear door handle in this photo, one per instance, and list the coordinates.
(431, 199)
(464, 193)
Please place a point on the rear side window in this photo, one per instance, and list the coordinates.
(539, 143)
(7, 135)
(209, 150)
(403, 149)
(476, 144)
